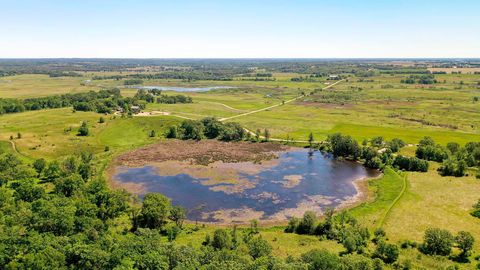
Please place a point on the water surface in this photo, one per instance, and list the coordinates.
(296, 183)
(182, 89)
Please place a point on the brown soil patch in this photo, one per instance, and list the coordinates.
(200, 152)
(326, 105)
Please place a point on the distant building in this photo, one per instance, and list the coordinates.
(333, 77)
(135, 109)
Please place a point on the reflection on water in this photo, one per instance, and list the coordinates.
(298, 182)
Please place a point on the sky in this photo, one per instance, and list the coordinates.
(240, 29)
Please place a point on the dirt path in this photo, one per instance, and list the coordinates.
(153, 113)
(224, 105)
(273, 106)
(404, 188)
(14, 146)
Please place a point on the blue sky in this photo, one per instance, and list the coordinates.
(239, 29)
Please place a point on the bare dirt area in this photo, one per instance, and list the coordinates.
(326, 105)
(201, 152)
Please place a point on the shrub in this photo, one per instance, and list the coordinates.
(464, 242)
(292, 225)
(258, 247)
(83, 130)
(172, 132)
(307, 224)
(387, 252)
(221, 239)
(437, 242)
(412, 164)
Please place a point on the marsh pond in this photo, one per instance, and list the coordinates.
(268, 185)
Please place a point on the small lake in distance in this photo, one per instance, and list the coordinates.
(182, 89)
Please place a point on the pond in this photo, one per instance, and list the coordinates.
(288, 186)
(182, 89)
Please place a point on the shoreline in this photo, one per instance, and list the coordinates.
(360, 185)
(363, 195)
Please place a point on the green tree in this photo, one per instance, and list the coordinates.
(292, 225)
(213, 127)
(68, 185)
(266, 135)
(321, 260)
(178, 215)
(39, 165)
(83, 130)
(172, 132)
(257, 247)
(155, 211)
(464, 242)
(437, 242)
(221, 239)
(386, 252)
(192, 130)
(152, 134)
(307, 223)
(257, 135)
(232, 132)
(101, 120)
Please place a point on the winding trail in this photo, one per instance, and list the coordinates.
(14, 147)
(273, 106)
(224, 105)
(251, 112)
(389, 209)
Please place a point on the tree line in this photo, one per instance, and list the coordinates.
(103, 101)
(420, 79)
(207, 128)
(180, 75)
(378, 153)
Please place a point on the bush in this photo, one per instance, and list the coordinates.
(155, 211)
(83, 130)
(192, 130)
(437, 242)
(321, 260)
(453, 167)
(258, 248)
(307, 223)
(221, 239)
(232, 132)
(344, 146)
(386, 252)
(464, 242)
(292, 225)
(412, 164)
(172, 132)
